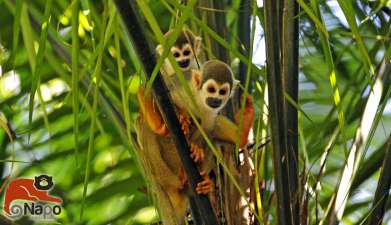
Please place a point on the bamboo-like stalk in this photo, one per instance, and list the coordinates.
(277, 112)
(221, 29)
(216, 20)
(290, 74)
(382, 191)
(244, 32)
(128, 11)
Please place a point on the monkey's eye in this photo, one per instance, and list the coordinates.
(222, 92)
(211, 89)
(176, 54)
(186, 52)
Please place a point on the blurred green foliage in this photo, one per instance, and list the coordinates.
(115, 191)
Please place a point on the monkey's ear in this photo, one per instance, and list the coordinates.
(196, 78)
(235, 86)
(159, 50)
(197, 44)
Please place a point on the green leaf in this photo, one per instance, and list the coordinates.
(348, 11)
(75, 75)
(97, 75)
(16, 28)
(135, 83)
(36, 61)
(314, 17)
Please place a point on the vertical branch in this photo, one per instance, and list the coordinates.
(277, 111)
(221, 29)
(128, 11)
(290, 74)
(382, 191)
(244, 31)
(215, 17)
(218, 23)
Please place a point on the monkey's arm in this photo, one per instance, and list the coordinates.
(226, 130)
(151, 114)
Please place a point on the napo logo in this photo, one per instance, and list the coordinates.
(30, 197)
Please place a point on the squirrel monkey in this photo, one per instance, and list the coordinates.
(161, 164)
(186, 50)
(213, 87)
(157, 154)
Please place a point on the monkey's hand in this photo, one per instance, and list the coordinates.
(205, 186)
(151, 114)
(197, 153)
(184, 120)
(248, 120)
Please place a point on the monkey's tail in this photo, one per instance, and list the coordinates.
(147, 154)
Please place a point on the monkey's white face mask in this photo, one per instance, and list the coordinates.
(214, 95)
(211, 94)
(184, 57)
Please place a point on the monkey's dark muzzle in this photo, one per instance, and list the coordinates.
(184, 63)
(214, 102)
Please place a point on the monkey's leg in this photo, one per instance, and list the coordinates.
(184, 120)
(197, 153)
(248, 120)
(151, 114)
(205, 186)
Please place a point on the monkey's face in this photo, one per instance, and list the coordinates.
(184, 56)
(215, 95)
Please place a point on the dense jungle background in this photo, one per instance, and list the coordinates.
(69, 75)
